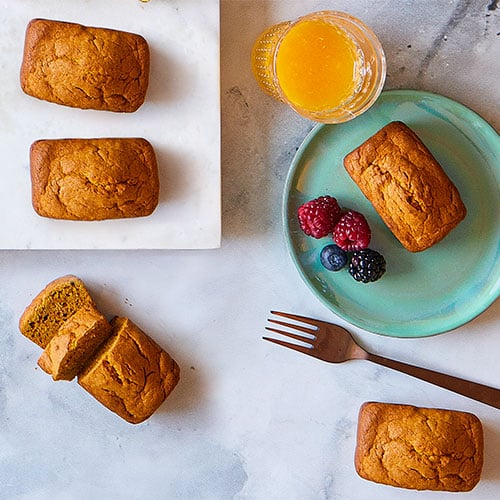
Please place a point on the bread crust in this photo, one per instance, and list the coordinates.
(85, 67)
(419, 448)
(94, 179)
(131, 375)
(407, 187)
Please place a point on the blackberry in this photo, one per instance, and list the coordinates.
(367, 265)
(333, 258)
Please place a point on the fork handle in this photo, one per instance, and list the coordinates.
(473, 390)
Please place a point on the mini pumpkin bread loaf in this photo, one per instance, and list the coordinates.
(94, 179)
(85, 67)
(54, 305)
(130, 375)
(75, 343)
(419, 448)
(407, 186)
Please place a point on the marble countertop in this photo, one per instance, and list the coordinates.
(248, 420)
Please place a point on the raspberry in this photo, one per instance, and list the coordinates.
(367, 265)
(318, 217)
(352, 232)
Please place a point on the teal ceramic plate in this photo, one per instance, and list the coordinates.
(423, 293)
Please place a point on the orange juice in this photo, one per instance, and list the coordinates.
(328, 66)
(317, 65)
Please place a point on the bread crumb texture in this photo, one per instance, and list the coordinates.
(74, 344)
(131, 375)
(407, 186)
(53, 306)
(94, 179)
(85, 67)
(419, 448)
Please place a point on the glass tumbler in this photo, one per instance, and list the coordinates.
(328, 66)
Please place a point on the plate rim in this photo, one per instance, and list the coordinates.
(483, 305)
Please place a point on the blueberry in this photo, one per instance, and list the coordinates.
(333, 258)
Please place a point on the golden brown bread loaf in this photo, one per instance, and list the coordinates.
(54, 305)
(407, 186)
(131, 375)
(85, 67)
(74, 344)
(419, 448)
(94, 179)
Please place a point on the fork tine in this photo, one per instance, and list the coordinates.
(304, 319)
(294, 336)
(289, 345)
(310, 331)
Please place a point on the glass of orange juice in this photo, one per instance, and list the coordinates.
(328, 66)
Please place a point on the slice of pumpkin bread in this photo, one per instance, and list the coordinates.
(75, 343)
(54, 305)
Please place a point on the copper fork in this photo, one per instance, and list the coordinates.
(334, 344)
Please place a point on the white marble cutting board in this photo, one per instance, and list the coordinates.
(181, 118)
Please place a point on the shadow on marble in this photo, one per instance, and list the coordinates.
(174, 182)
(186, 397)
(191, 388)
(491, 472)
(167, 78)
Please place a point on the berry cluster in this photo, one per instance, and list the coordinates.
(350, 233)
